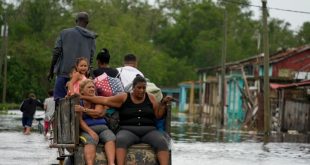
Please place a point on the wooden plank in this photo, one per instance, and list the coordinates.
(192, 97)
(66, 122)
(260, 113)
(58, 121)
(74, 120)
(296, 116)
(247, 91)
(281, 109)
(307, 118)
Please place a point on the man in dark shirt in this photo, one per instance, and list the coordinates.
(71, 44)
(28, 107)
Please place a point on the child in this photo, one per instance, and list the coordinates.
(80, 73)
(49, 107)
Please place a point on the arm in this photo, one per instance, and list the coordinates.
(99, 110)
(57, 51)
(160, 108)
(45, 104)
(112, 101)
(21, 108)
(38, 103)
(92, 52)
(75, 78)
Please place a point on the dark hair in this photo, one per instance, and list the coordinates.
(103, 56)
(82, 17)
(32, 95)
(50, 92)
(130, 58)
(138, 79)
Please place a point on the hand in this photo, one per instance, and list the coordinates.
(167, 99)
(94, 135)
(78, 108)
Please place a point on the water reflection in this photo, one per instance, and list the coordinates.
(241, 154)
(196, 141)
(196, 128)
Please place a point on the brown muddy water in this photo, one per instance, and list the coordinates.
(194, 142)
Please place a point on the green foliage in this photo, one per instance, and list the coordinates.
(280, 37)
(5, 107)
(303, 34)
(170, 40)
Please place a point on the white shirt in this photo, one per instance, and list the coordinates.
(49, 103)
(127, 74)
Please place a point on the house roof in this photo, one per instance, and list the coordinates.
(292, 85)
(258, 59)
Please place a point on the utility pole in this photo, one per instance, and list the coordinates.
(4, 34)
(223, 68)
(266, 70)
(1, 53)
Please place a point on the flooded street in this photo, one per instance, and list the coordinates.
(194, 143)
(18, 149)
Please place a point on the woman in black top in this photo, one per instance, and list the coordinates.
(138, 111)
(103, 60)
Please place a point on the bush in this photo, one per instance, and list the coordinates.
(8, 106)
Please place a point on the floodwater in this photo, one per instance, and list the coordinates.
(194, 142)
(197, 142)
(19, 149)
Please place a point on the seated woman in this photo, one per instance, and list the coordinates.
(93, 126)
(138, 111)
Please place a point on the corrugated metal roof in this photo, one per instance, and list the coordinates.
(258, 59)
(278, 86)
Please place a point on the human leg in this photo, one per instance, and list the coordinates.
(163, 157)
(60, 90)
(28, 124)
(90, 154)
(24, 121)
(121, 156)
(89, 148)
(109, 148)
(157, 140)
(107, 137)
(124, 139)
(46, 126)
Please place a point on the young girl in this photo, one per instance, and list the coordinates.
(80, 73)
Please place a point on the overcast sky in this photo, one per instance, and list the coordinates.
(295, 19)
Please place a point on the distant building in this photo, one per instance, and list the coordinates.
(244, 89)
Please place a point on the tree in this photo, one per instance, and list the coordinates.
(303, 35)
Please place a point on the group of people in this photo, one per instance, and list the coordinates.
(29, 106)
(138, 109)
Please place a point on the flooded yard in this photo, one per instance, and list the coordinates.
(194, 142)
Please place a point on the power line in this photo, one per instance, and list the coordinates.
(272, 8)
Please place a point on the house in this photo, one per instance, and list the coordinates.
(243, 85)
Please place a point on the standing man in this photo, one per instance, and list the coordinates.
(29, 107)
(129, 71)
(71, 44)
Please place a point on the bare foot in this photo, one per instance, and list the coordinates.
(27, 133)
